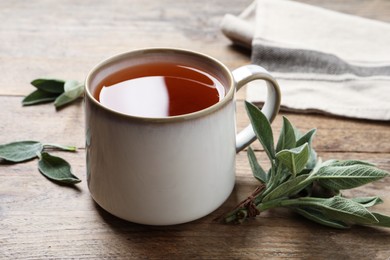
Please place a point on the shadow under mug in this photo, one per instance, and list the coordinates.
(168, 170)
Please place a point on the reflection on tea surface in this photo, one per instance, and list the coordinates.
(160, 90)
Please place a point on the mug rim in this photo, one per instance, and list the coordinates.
(228, 96)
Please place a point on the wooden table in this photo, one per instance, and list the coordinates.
(64, 39)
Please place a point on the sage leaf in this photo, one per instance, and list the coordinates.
(70, 85)
(294, 159)
(367, 201)
(49, 85)
(257, 171)
(288, 188)
(72, 91)
(38, 96)
(317, 216)
(279, 175)
(383, 220)
(348, 163)
(347, 177)
(20, 151)
(262, 128)
(56, 169)
(287, 136)
(308, 138)
(61, 147)
(337, 208)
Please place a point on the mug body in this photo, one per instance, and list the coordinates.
(160, 171)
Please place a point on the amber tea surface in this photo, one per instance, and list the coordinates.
(159, 90)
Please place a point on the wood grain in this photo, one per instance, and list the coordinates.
(41, 219)
(65, 39)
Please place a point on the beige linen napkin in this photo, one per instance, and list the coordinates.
(324, 61)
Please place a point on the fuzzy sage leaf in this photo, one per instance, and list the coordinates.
(338, 208)
(288, 188)
(48, 90)
(368, 201)
(258, 172)
(383, 220)
(287, 139)
(60, 147)
(38, 97)
(262, 129)
(20, 151)
(54, 86)
(348, 176)
(56, 169)
(336, 163)
(72, 91)
(308, 138)
(294, 159)
(317, 216)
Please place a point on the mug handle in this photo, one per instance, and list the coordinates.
(244, 75)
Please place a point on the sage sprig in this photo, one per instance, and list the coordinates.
(49, 90)
(300, 181)
(54, 168)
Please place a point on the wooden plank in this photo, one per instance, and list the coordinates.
(41, 123)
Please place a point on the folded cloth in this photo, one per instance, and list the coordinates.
(324, 61)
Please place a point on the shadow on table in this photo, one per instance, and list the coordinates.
(275, 234)
(203, 238)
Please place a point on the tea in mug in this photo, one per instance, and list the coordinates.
(159, 89)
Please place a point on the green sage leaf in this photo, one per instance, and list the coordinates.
(294, 159)
(383, 220)
(348, 163)
(316, 216)
(56, 169)
(257, 171)
(279, 175)
(337, 208)
(347, 177)
(38, 96)
(70, 85)
(308, 138)
(287, 136)
(20, 151)
(262, 128)
(49, 85)
(73, 90)
(61, 147)
(288, 188)
(367, 201)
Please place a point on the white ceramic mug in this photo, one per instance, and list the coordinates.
(170, 170)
